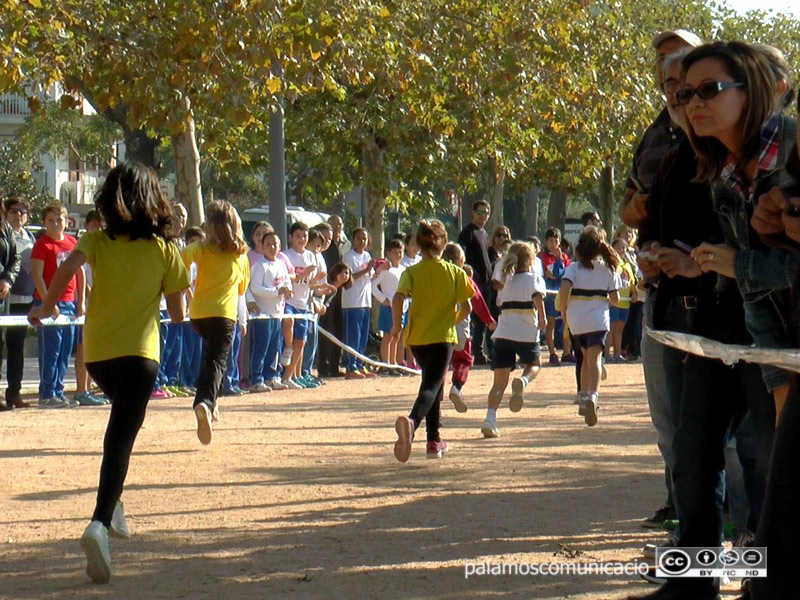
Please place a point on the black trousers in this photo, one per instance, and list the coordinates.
(433, 359)
(779, 528)
(15, 348)
(128, 382)
(217, 334)
(329, 353)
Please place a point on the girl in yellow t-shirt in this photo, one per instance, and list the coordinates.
(436, 288)
(627, 293)
(223, 274)
(120, 337)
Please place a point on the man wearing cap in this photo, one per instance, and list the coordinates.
(662, 136)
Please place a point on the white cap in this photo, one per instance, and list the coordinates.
(687, 36)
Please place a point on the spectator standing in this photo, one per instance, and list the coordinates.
(20, 298)
(475, 242)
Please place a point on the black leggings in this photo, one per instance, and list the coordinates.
(128, 382)
(433, 359)
(15, 347)
(217, 334)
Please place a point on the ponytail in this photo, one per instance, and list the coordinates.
(610, 256)
(508, 265)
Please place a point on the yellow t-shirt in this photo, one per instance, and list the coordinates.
(221, 278)
(626, 291)
(129, 278)
(435, 286)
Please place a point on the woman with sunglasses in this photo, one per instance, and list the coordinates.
(732, 102)
(20, 298)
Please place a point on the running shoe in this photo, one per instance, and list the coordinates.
(457, 398)
(119, 524)
(53, 402)
(405, 436)
(516, 400)
(277, 384)
(436, 449)
(489, 428)
(205, 432)
(94, 542)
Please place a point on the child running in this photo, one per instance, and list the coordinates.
(121, 343)
(223, 274)
(462, 359)
(522, 318)
(589, 285)
(436, 288)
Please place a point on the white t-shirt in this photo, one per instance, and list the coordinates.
(360, 293)
(407, 261)
(518, 320)
(384, 285)
(301, 288)
(497, 275)
(587, 310)
(266, 278)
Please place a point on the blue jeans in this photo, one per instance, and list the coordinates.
(55, 348)
(267, 343)
(172, 348)
(659, 399)
(714, 402)
(356, 334)
(231, 378)
(192, 352)
(310, 349)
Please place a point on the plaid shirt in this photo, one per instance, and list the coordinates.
(767, 161)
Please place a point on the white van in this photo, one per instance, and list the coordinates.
(251, 216)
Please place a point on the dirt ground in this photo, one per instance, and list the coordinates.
(300, 496)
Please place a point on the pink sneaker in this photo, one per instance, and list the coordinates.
(368, 374)
(159, 395)
(436, 449)
(353, 375)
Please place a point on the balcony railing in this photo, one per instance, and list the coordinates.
(14, 105)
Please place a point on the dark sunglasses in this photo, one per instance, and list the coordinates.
(707, 91)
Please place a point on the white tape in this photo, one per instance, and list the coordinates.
(783, 358)
(363, 358)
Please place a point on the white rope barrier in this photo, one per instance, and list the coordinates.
(783, 358)
(366, 359)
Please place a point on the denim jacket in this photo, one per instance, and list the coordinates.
(759, 269)
(764, 275)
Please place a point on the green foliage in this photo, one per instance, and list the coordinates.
(16, 179)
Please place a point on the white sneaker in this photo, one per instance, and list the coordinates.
(489, 429)
(291, 384)
(589, 409)
(215, 414)
(118, 527)
(286, 357)
(260, 387)
(94, 542)
(205, 433)
(277, 384)
(517, 387)
(457, 398)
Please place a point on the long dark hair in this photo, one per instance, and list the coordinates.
(592, 244)
(132, 203)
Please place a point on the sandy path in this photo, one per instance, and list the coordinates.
(300, 496)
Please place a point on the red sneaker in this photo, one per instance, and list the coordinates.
(368, 374)
(436, 449)
(159, 395)
(354, 375)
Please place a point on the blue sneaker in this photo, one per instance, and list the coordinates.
(300, 382)
(86, 399)
(309, 381)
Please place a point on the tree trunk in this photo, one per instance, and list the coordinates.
(557, 209)
(375, 186)
(141, 148)
(187, 166)
(606, 204)
(532, 211)
(277, 171)
(494, 192)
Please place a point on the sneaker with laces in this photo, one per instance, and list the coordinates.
(300, 383)
(489, 428)
(94, 542)
(367, 373)
(649, 550)
(291, 385)
(405, 436)
(215, 414)
(309, 382)
(517, 388)
(71, 402)
(259, 387)
(52, 403)
(286, 357)
(589, 408)
(457, 398)
(354, 375)
(277, 385)
(436, 449)
(665, 513)
(118, 527)
(205, 433)
(86, 399)
(158, 395)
